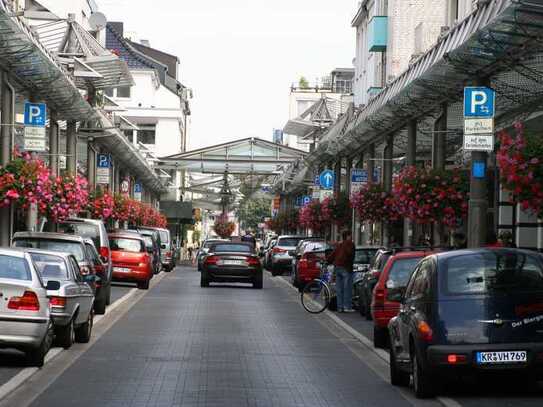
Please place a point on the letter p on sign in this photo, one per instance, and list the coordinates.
(479, 102)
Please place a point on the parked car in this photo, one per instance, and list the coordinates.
(65, 243)
(204, 249)
(365, 284)
(93, 229)
(307, 267)
(469, 312)
(152, 239)
(72, 304)
(132, 261)
(363, 256)
(25, 321)
(167, 250)
(300, 249)
(267, 253)
(229, 262)
(282, 253)
(387, 293)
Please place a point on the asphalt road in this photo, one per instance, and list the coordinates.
(229, 345)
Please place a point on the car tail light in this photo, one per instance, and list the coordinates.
(104, 253)
(211, 260)
(168, 254)
(379, 297)
(253, 261)
(375, 273)
(454, 359)
(57, 301)
(28, 302)
(278, 250)
(425, 331)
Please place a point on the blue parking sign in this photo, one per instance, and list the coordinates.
(103, 161)
(137, 188)
(479, 101)
(35, 114)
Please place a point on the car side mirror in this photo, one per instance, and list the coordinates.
(163, 246)
(52, 285)
(89, 278)
(150, 250)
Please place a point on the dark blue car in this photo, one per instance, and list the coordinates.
(469, 312)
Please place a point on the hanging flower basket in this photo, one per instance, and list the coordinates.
(520, 159)
(285, 220)
(374, 204)
(223, 227)
(313, 216)
(337, 209)
(432, 196)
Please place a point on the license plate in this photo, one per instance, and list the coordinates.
(232, 262)
(122, 269)
(484, 358)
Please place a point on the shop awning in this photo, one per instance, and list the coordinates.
(36, 70)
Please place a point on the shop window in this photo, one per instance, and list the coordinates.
(123, 92)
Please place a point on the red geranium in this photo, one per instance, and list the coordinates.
(374, 204)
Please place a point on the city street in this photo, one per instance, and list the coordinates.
(181, 345)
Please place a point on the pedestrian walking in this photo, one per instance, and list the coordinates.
(190, 249)
(343, 258)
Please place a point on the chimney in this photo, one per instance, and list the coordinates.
(118, 27)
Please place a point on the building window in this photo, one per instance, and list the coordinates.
(453, 12)
(146, 134)
(109, 92)
(123, 92)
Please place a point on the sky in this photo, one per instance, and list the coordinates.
(241, 56)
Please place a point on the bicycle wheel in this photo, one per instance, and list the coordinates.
(315, 297)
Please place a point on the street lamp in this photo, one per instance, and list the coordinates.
(225, 194)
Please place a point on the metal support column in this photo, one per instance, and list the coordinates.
(357, 224)
(53, 143)
(71, 148)
(387, 181)
(337, 176)
(371, 179)
(91, 165)
(478, 203)
(439, 157)
(6, 134)
(410, 160)
(348, 176)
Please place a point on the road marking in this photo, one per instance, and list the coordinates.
(8, 388)
(383, 355)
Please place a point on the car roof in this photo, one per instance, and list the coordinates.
(13, 251)
(64, 255)
(368, 247)
(49, 236)
(124, 235)
(455, 253)
(291, 237)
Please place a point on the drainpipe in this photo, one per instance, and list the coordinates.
(91, 164)
(53, 143)
(71, 148)
(439, 156)
(410, 160)
(371, 179)
(387, 181)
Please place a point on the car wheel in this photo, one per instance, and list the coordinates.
(83, 332)
(65, 335)
(380, 339)
(397, 377)
(368, 311)
(36, 357)
(108, 294)
(143, 285)
(258, 281)
(333, 304)
(204, 281)
(168, 269)
(361, 306)
(100, 303)
(423, 383)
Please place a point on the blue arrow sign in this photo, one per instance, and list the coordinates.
(35, 114)
(327, 179)
(479, 102)
(306, 200)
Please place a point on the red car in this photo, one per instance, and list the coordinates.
(387, 293)
(308, 265)
(131, 261)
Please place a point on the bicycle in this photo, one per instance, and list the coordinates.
(318, 295)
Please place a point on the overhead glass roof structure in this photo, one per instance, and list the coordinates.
(242, 157)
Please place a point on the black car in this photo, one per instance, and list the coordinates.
(469, 312)
(364, 285)
(231, 262)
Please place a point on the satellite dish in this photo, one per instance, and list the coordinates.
(97, 21)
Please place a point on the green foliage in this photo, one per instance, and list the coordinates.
(303, 83)
(252, 211)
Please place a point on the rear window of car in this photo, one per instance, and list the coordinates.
(164, 236)
(209, 243)
(63, 246)
(126, 245)
(148, 241)
(364, 256)
(14, 268)
(288, 242)
(401, 271)
(241, 248)
(85, 230)
(50, 267)
(315, 247)
(491, 273)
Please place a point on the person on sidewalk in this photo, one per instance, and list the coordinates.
(343, 258)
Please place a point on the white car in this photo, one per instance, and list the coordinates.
(25, 321)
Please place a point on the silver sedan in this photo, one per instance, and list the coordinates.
(25, 322)
(72, 304)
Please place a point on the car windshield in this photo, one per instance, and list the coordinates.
(14, 268)
(315, 247)
(364, 256)
(401, 271)
(492, 272)
(209, 243)
(126, 244)
(164, 236)
(85, 230)
(50, 266)
(148, 241)
(289, 242)
(241, 248)
(53, 245)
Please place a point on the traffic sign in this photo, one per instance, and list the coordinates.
(481, 142)
(359, 176)
(104, 161)
(125, 186)
(479, 101)
(103, 165)
(306, 200)
(316, 182)
(326, 179)
(137, 191)
(35, 114)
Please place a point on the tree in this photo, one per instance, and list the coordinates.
(303, 83)
(252, 211)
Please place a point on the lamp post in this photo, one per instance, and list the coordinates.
(226, 194)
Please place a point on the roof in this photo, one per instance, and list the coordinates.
(49, 236)
(169, 60)
(12, 251)
(64, 255)
(456, 253)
